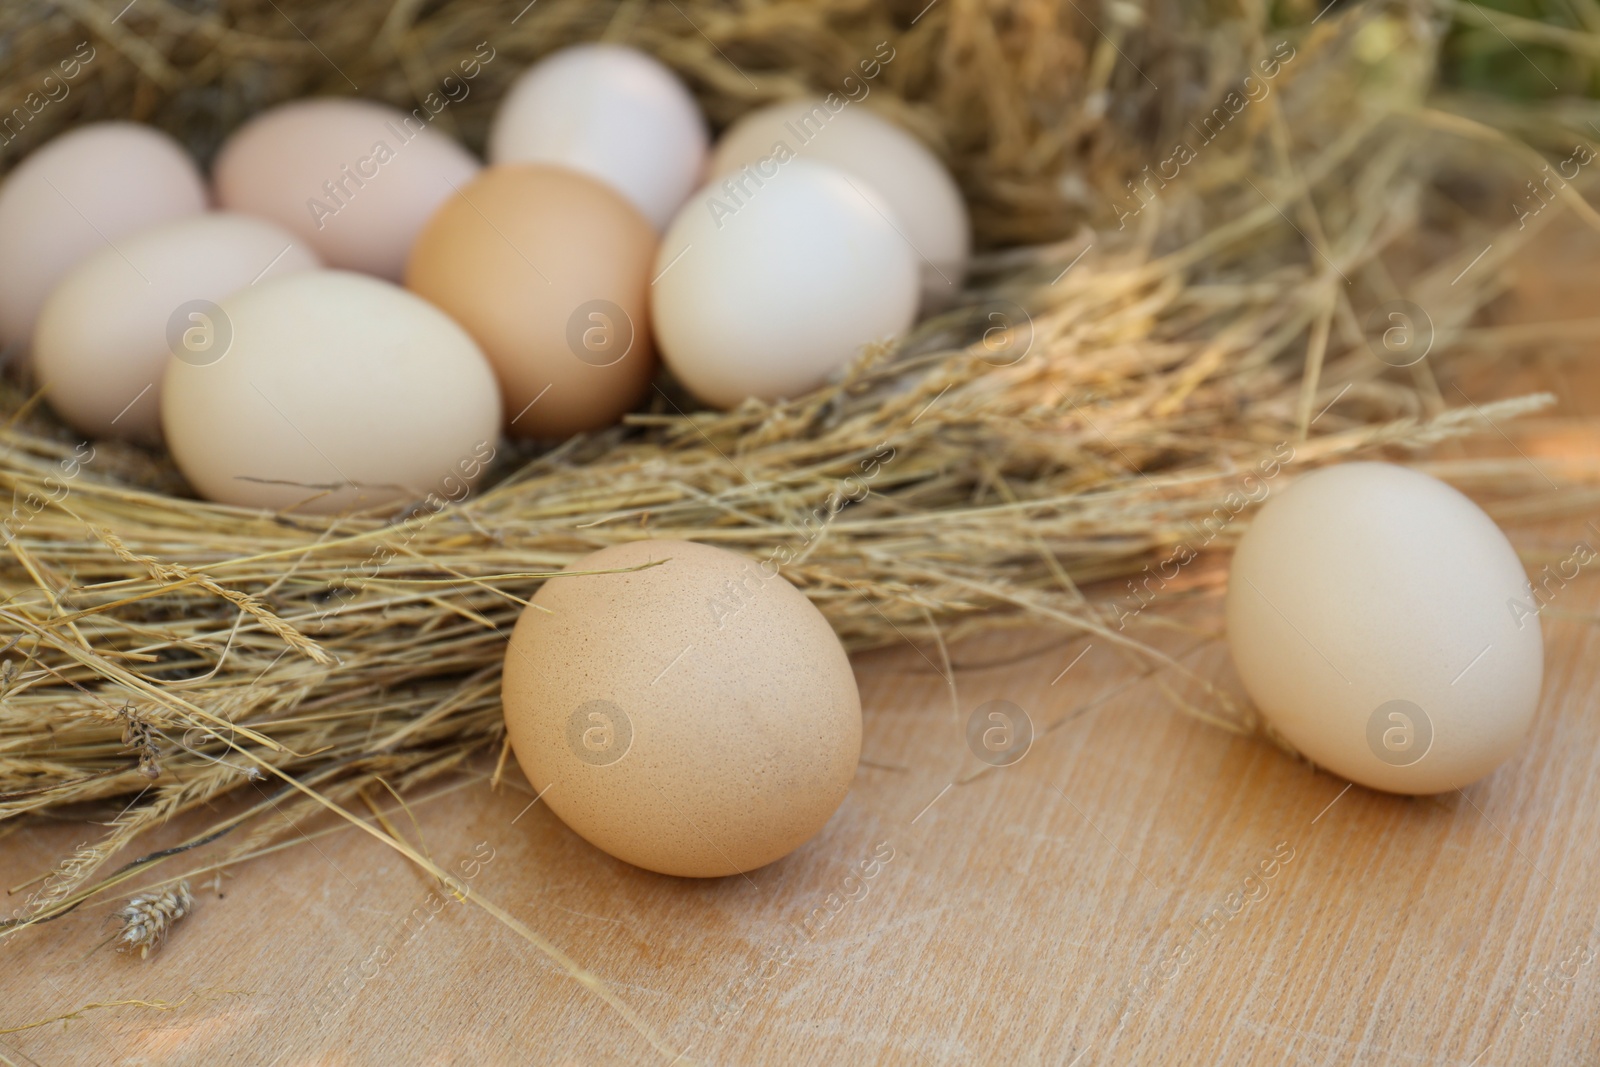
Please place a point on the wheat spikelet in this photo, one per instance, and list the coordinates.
(148, 917)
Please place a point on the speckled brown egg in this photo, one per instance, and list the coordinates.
(695, 716)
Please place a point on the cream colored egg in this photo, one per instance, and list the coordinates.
(80, 193)
(105, 334)
(768, 297)
(334, 392)
(926, 201)
(1381, 622)
(613, 113)
(697, 717)
(353, 178)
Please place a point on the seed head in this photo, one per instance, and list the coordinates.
(147, 918)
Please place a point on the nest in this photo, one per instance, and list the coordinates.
(1144, 333)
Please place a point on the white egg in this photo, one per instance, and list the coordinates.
(909, 177)
(335, 392)
(355, 179)
(765, 295)
(82, 192)
(1382, 623)
(105, 334)
(613, 113)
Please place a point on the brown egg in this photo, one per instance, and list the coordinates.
(549, 272)
(697, 717)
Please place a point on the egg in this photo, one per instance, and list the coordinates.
(613, 113)
(334, 392)
(105, 334)
(82, 192)
(691, 713)
(1373, 618)
(356, 180)
(768, 294)
(548, 270)
(926, 202)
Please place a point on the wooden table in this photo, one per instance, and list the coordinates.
(1139, 888)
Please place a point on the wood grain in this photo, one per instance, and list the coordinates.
(1105, 900)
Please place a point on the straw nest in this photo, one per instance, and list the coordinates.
(1127, 354)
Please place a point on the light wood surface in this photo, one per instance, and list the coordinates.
(1087, 905)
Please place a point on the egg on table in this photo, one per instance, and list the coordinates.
(106, 332)
(335, 392)
(691, 713)
(612, 112)
(82, 192)
(1372, 617)
(354, 179)
(925, 201)
(548, 270)
(767, 294)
